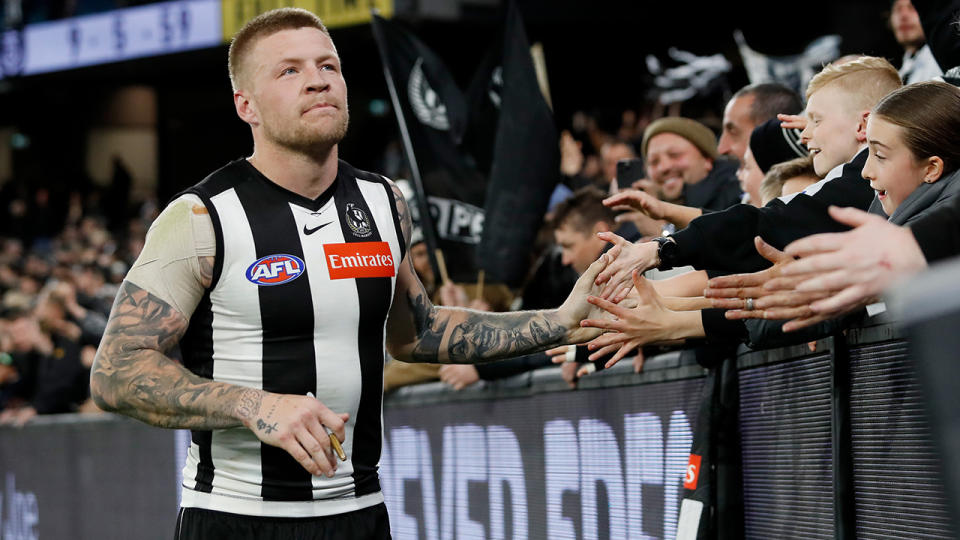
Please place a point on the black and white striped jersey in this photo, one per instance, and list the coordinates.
(299, 301)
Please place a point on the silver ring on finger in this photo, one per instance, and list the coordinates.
(748, 305)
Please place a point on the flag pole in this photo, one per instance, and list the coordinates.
(426, 222)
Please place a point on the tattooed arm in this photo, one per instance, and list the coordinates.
(132, 374)
(418, 331)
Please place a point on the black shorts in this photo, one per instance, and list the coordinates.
(200, 524)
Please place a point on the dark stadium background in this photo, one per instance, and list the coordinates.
(594, 52)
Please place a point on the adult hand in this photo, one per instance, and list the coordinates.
(453, 295)
(459, 376)
(479, 304)
(296, 424)
(748, 296)
(571, 155)
(576, 308)
(648, 322)
(648, 186)
(638, 361)
(563, 353)
(625, 258)
(792, 121)
(732, 292)
(633, 199)
(568, 371)
(17, 416)
(852, 268)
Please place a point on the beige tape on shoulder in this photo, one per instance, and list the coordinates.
(169, 266)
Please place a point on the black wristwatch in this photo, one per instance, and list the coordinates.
(666, 252)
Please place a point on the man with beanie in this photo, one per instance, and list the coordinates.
(681, 159)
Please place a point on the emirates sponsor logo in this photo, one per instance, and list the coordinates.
(359, 260)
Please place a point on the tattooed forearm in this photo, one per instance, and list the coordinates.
(132, 374)
(472, 336)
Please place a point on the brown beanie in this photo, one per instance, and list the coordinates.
(695, 132)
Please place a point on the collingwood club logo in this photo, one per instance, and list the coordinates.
(358, 221)
(425, 101)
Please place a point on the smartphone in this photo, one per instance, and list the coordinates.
(629, 171)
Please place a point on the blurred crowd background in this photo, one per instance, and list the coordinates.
(88, 155)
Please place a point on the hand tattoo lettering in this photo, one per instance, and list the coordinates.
(268, 428)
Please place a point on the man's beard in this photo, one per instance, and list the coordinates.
(310, 140)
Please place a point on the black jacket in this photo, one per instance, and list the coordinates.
(719, 190)
(937, 18)
(724, 240)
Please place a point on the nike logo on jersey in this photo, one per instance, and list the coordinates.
(315, 229)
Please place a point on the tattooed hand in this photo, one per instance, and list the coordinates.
(295, 423)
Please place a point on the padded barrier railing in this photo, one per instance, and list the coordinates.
(835, 444)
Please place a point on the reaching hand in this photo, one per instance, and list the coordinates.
(633, 199)
(749, 296)
(571, 156)
(792, 121)
(648, 322)
(625, 258)
(296, 424)
(459, 376)
(568, 372)
(576, 308)
(852, 268)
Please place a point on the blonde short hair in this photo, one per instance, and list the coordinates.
(864, 80)
(261, 26)
(777, 176)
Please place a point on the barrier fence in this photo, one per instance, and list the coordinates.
(834, 441)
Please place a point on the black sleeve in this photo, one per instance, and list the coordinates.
(769, 334)
(937, 18)
(938, 233)
(502, 369)
(718, 329)
(724, 240)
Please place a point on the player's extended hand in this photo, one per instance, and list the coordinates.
(295, 423)
(459, 376)
(576, 308)
(626, 257)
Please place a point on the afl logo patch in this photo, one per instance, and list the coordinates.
(358, 221)
(275, 270)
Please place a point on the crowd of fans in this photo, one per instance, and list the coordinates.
(715, 224)
(60, 264)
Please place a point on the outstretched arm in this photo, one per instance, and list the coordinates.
(418, 331)
(641, 201)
